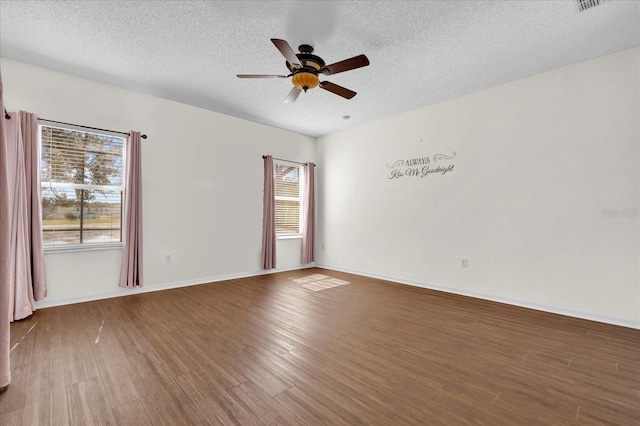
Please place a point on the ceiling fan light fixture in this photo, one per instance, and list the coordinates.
(305, 80)
(305, 67)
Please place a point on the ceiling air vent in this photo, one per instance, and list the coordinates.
(588, 4)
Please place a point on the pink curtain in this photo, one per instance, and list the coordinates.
(25, 234)
(269, 217)
(309, 215)
(27, 283)
(31, 139)
(5, 251)
(131, 271)
(20, 287)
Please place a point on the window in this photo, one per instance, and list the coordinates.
(288, 197)
(82, 177)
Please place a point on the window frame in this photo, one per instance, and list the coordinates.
(299, 199)
(89, 187)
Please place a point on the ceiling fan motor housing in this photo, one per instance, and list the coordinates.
(306, 78)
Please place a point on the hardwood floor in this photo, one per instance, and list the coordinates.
(317, 347)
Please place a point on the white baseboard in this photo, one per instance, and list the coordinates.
(119, 292)
(520, 303)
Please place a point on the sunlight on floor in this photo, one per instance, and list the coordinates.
(318, 282)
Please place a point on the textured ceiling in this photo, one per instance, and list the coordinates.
(420, 52)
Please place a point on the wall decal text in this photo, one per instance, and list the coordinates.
(421, 167)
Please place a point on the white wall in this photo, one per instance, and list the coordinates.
(537, 162)
(202, 183)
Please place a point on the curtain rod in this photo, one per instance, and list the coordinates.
(87, 127)
(289, 161)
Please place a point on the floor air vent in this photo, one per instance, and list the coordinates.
(588, 4)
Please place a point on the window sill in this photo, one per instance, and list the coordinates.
(289, 237)
(82, 248)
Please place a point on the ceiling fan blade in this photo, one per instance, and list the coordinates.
(346, 65)
(260, 76)
(338, 90)
(287, 52)
(293, 95)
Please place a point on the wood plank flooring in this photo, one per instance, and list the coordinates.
(317, 347)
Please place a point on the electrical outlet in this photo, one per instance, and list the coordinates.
(464, 263)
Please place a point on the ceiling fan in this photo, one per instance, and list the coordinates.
(305, 67)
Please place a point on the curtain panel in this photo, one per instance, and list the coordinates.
(27, 283)
(31, 139)
(309, 215)
(269, 217)
(131, 271)
(5, 251)
(20, 287)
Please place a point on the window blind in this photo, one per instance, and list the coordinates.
(86, 160)
(287, 198)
